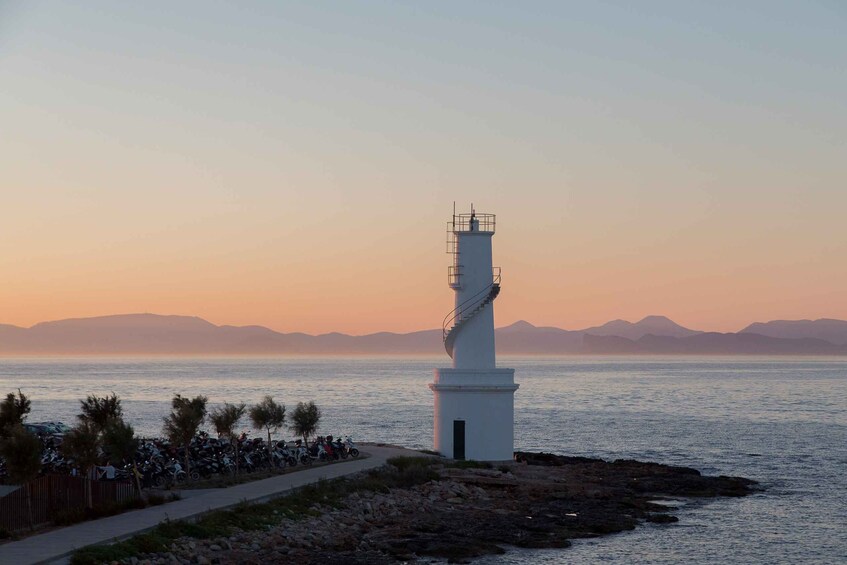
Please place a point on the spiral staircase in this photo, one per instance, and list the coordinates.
(464, 312)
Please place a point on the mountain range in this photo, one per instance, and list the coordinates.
(152, 334)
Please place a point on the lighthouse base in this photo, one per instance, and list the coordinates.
(474, 413)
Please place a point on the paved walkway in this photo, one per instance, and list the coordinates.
(53, 546)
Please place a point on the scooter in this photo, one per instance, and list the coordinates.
(351, 447)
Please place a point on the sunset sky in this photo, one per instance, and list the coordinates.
(294, 164)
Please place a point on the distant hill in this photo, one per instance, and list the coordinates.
(145, 334)
(152, 334)
(522, 338)
(655, 325)
(833, 331)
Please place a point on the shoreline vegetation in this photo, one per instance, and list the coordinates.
(61, 467)
(428, 507)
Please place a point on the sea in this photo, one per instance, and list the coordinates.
(780, 421)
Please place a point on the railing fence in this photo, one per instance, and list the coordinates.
(57, 493)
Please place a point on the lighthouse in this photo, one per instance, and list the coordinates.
(473, 399)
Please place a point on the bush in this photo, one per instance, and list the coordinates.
(152, 542)
(154, 499)
(68, 517)
(403, 463)
(76, 515)
(470, 464)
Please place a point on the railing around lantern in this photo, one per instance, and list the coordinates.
(472, 223)
(483, 223)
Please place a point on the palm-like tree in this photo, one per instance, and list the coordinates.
(225, 419)
(13, 410)
(22, 452)
(120, 443)
(305, 420)
(100, 410)
(184, 421)
(270, 416)
(82, 444)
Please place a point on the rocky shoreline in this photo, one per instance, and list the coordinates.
(541, 501)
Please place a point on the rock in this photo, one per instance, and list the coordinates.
(466, 514)
(662, 518)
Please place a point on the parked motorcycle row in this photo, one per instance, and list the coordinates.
(160, 463)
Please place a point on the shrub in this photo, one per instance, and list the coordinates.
(76, 515)
(470, 464)
(405, 462)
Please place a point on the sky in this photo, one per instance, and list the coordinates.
(294, 165)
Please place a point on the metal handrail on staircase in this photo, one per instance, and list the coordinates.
(456, 318)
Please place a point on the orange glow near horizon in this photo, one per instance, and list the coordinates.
(328, 274)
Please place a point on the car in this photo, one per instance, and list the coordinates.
(37, 429)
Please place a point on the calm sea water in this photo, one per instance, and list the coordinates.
(780, 421)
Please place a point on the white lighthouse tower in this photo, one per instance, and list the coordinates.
(474, 400)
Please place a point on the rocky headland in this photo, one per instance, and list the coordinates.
(459, 511)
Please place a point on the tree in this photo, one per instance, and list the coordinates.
(225, 419)
(270, 416)
(120, 444)
(22, 452)
(13, 410)
(182, 424)
(100, 410)
(306, 418)
(82, 444)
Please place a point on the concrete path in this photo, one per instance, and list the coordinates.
(55, 545)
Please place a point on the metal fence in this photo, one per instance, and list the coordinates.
(52, 494)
